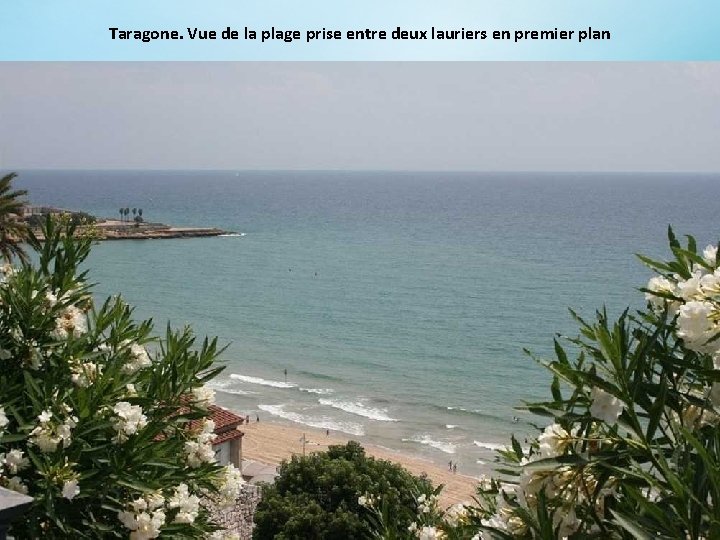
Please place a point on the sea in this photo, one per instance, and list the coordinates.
(390, 307)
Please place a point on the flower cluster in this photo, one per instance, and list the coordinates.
(144, 517)
(129, 419)
(11, 463)
(71, 322)
(200, 450)
(3, 419)
(204, 396)
(83, 374)
(75, 380)
(695, 299)
(187, 505)
(48, 434)
(139, 358)
(229, 485)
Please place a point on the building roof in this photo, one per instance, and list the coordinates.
(226, 424)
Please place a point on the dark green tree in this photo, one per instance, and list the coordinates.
(13, 230)
(316, 496)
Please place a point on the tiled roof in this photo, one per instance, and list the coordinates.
(226, 424)
(228, 436)
(224, 420)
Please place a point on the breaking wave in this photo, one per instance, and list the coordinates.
(490, 446)
(320, 391)
(263, 382)
(443, 446)
(358, 409)
(320, 423)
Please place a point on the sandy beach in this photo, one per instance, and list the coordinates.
(271, 443)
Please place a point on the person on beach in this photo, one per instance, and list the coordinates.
(257, 418)
(247, 419)
(450, 465)
(327, 432)
(454, 468)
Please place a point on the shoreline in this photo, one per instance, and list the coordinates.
(270, 443)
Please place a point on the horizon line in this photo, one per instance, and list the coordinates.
(6, 170)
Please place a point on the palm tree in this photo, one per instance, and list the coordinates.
(122, 213)
(13, 231)
(134, 212)
(127, 211)
(140, 212)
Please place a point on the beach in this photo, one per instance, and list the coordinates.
(271, 443)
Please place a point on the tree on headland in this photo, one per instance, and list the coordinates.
(13, 230)
(134, 211)
(122, 214)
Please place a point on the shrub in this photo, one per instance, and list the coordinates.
(95, 412)
(633, 446)
(326, 495)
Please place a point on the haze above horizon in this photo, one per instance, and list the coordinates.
(464, 117)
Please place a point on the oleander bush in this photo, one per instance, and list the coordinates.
(632, 449)
(95, 412)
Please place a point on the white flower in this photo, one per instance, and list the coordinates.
(426, 503)
(605, 407)
(70, 489)
(709, 255)
(44, 438)
(187, 505)
(45, 416)
(362, 500)
(689, 289)
(139, 358)
(15, 484)
(132, 392)
(223, 535)
(696, 326)
(659, 284)
(204, 396)
(14, 460)
(553, 441)
(710, 283)
(429, 533)
(3, 419)
(84, 374)
(230, 483)
(71, 322)
(130, 420)
(154, 500)
(456, 514)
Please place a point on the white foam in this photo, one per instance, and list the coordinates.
(232, 234)
(320, 423)
(263, 382)
(448, 448)
(320, 391)
(490, 446)
(358, 409)
(226, 387)
(451, 426)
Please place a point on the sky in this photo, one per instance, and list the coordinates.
(484, 116)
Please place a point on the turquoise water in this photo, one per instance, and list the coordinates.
(398, 303)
